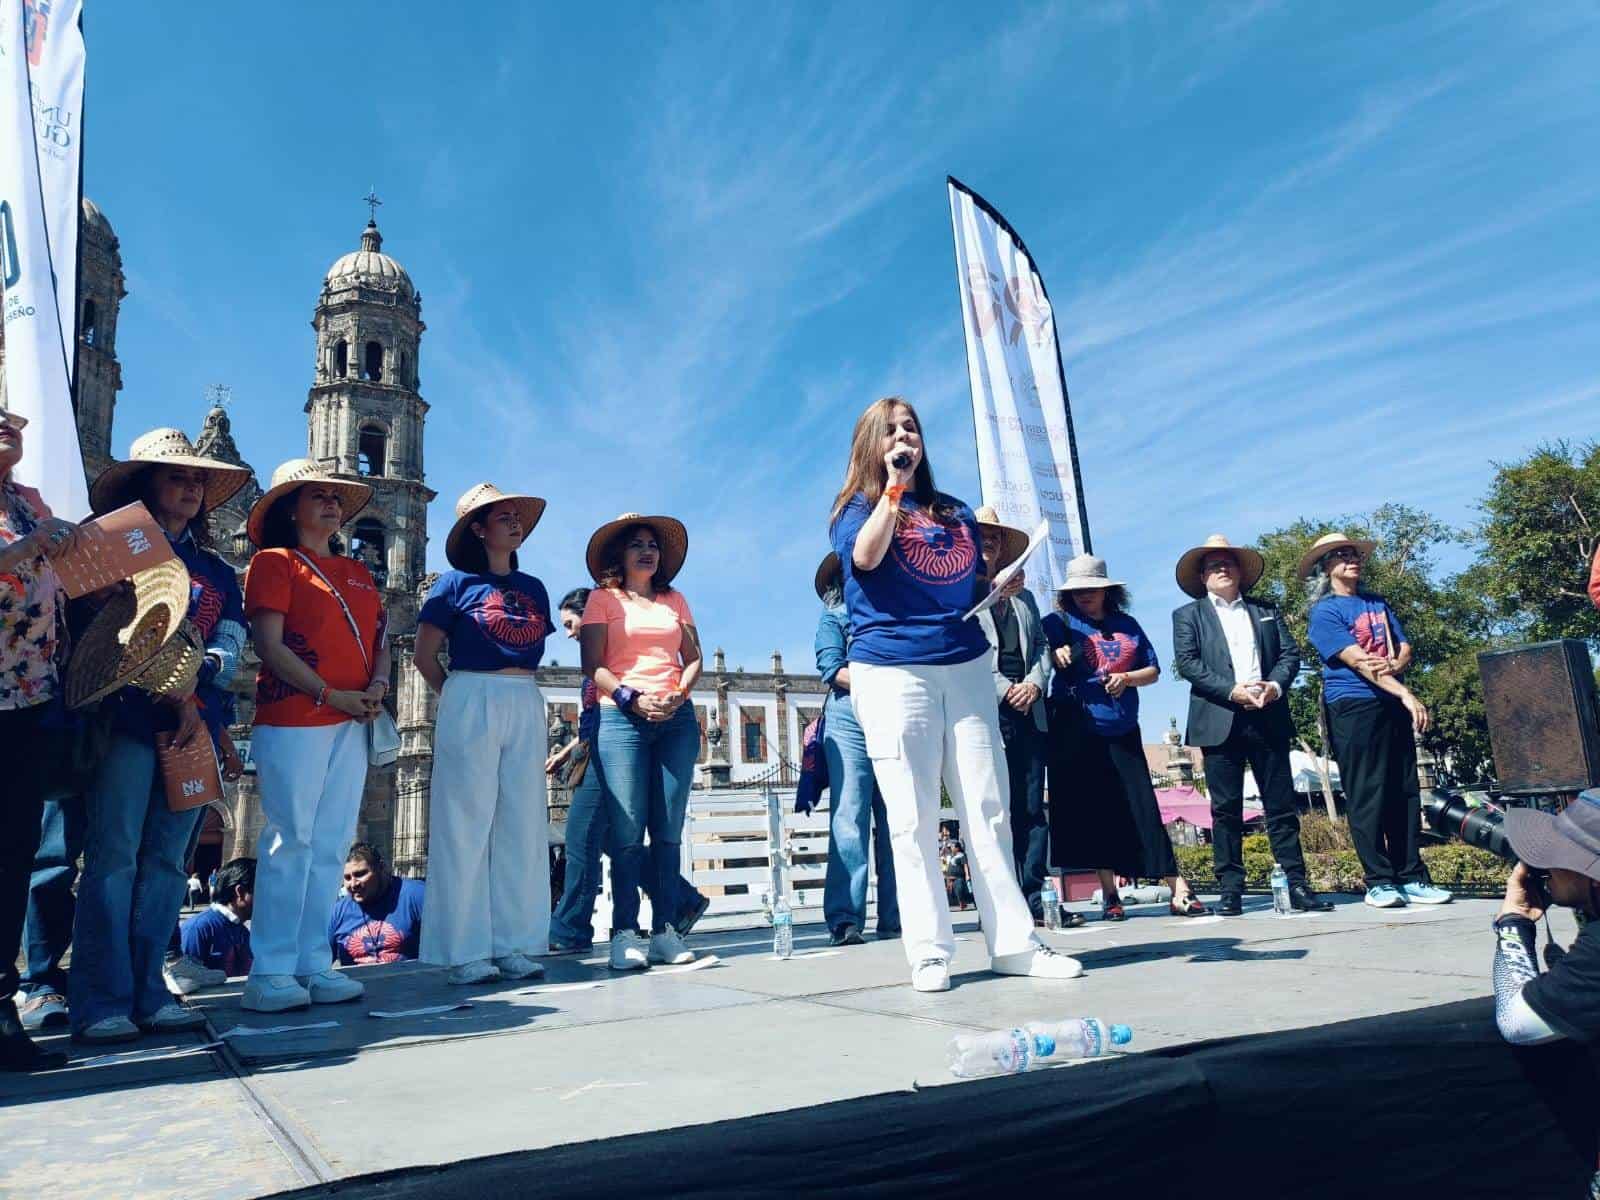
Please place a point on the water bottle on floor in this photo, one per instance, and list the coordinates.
(1012, 1051)
(1280, 892)
(1050, 904)
(782, 929)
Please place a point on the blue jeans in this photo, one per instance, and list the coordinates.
(649, 767)
(587, 827)
(50, 901)
(856, 807)
(132, 887)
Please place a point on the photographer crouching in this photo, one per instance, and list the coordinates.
(1560, 864)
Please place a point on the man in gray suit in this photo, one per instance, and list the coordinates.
(1240, 663)
(1020, 659)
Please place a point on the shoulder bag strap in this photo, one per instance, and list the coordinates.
(355, 629)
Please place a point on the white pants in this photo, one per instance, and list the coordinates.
(488, 890)
(311, 780)
(921, 724)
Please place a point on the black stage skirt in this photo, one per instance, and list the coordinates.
(1103, 811)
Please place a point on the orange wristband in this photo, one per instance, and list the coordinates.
(895, 492)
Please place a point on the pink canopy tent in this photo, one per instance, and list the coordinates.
(1186, 804)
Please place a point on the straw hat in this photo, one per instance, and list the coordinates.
(1012, 541)
(474, 501)
(674, 539)
(1192, 580)
(296, 473)
(140, 637)
(1086, 571)
(1327, 544)
(826, 570)
(117, 484)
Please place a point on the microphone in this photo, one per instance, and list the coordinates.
(901, 461)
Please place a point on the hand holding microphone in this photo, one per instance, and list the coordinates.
(900, 465)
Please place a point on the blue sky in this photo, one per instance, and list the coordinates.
(1305, 258)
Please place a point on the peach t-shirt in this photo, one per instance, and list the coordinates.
(643, 641)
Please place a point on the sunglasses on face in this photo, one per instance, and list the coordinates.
(1220, 564)
(1346, 555)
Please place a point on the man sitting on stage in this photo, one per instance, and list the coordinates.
(378, 919)
(1560, 864)
(1240, 661)
(218, 939)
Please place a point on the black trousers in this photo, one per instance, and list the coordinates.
(1377, 756)
(31, 753)
(1249, 744)
(1026, 755)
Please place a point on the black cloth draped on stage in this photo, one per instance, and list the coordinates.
(1429, 1102)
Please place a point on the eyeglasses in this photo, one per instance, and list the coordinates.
(13, 421)
(1217, 564)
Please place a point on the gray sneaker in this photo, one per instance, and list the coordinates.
(43, 1010)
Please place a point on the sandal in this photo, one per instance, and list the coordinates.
(1073, 920)
(1192, 907)
(1112, 911)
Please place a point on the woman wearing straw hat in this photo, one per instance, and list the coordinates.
(856, 811)
(640, 647)
(487, 910)
(1373, 719)
(134, 848)
(924, 695)
(1103, 809)
(318, 624)
(34, 731)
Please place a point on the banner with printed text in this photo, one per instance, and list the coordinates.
(41, 96)
(1027, 452)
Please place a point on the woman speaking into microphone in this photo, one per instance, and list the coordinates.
(924, 694)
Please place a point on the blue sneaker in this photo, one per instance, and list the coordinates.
(1424, 893)
(1383, 896)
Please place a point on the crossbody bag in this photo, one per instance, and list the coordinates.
(383, 736)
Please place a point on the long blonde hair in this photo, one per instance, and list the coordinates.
(865, 473)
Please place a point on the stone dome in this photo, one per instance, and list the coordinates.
(370, 267)
(95, 221)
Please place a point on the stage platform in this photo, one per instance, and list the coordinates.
(585, 1054)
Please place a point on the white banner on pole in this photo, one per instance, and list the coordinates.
(37, 382)
(1027, 453)
(55, 71)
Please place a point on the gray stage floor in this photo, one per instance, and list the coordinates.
(584, 1054)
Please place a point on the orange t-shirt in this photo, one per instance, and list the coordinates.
(643, 641)
(315, 628)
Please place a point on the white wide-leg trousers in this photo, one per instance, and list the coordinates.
(488, 893)
(311, 780)
(923, 724)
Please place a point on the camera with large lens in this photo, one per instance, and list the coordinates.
(1474, 823)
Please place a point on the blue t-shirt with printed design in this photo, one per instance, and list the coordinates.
(387, 930)
(492, 621)
(1114, 645)
(909, 608)
(1340, 621)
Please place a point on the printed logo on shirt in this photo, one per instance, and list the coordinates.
(269, 688)
(1110, 655)
(375, 942)
(1368, 630)
(511, 618)
(934, 553)
(205, 604)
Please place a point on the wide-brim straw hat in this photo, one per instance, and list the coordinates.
(140, 637)
(298, 472)
(1192, 579)
(117, 485)
(1327, 544)
(1013, 541)
(674, 539)
(475, 500)
(826, 570)
(1086, 571)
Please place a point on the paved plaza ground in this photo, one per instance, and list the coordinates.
(586, 1054)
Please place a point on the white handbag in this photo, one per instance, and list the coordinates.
(383, 736)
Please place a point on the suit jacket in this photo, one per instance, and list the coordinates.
(1200, 655)
(1035, 652)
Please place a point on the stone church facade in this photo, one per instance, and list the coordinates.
(365, 420)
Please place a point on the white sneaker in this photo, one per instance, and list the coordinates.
(931, 975)
(108, 1030)
(331, 987)
(518, 966)
(667, 947)
(184, 975)
(171, 1017)
(628, 951)
(1039, 963)
(480, 971)
(274, 993)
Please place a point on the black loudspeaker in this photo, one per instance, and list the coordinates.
(1543, 722)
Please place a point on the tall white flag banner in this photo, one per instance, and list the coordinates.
(54, 33)
(1027, 453)
(37, 382)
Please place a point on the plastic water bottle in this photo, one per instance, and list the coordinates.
(782, 929)
(1050, 903)
(1012, 1051)
(1280, 892)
